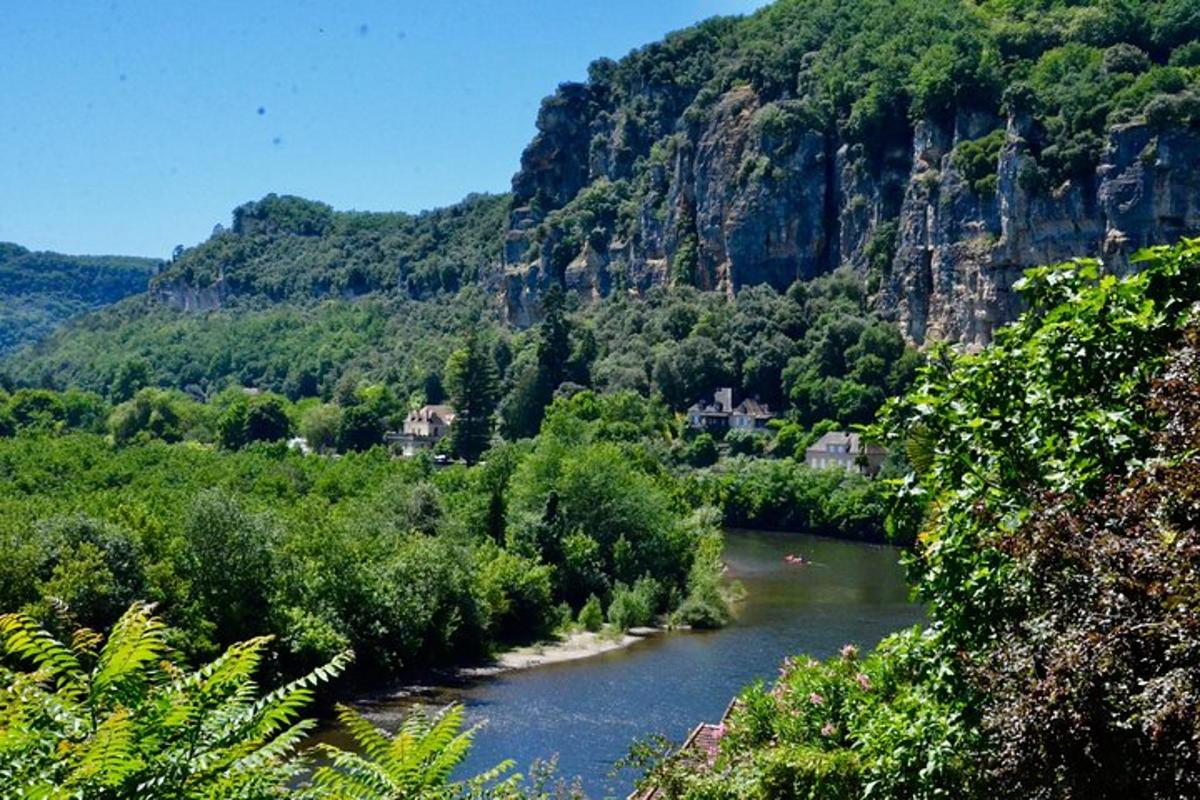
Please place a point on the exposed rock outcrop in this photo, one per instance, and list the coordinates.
(745, 194)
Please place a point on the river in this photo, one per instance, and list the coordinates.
(588, 711)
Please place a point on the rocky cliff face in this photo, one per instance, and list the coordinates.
(746, 193)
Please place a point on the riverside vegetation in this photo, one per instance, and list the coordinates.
(1054, 489)
(1053, 486)
(1047, 482)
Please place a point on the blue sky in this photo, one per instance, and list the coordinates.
(133, 126)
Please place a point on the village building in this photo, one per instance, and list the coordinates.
(423, 428)
(721, 414)
(848, 451)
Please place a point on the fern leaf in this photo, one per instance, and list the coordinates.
(109, 757)
(24, 638)
(370, 740)
(138, 639)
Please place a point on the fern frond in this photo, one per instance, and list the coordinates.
(137, 639)
(349, 775)
(110, 756)
(371, 740)
(231, 668)
(276, 750)
(280, 707)
(86, 642)
(23, 637)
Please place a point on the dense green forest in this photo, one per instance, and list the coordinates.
(40, 291)
(408, 564)
(1053, 486)
(1047, 485)
(1054, 489)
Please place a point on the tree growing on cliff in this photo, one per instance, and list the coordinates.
(473, 388)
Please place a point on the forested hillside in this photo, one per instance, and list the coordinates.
(828, 206)
(938, 147)
(40, 291)
(287, 249)
(933, 148)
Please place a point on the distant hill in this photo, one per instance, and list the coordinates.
(931, 150)
(40, 290)
(289, 249)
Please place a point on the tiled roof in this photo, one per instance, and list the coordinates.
(696, 752)
(753, 408)
(433, 413)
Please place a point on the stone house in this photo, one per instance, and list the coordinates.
(423, 428)
(750, 415)
(842, 450)
(721, 414)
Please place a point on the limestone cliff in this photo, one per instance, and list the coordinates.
(746, 193)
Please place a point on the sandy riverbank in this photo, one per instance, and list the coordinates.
(572, 647)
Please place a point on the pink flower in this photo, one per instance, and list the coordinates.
(816, 699)
(829, 729)
(849, 652)
(863, 681)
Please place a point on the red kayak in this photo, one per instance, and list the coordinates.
(798, 561)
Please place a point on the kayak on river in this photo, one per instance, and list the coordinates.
(795, 560)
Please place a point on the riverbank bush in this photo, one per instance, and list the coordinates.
(787, 495)
(1057, 556)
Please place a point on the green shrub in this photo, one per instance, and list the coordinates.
(119, 717)
(591, 617)
(630, 607)
(805, 773)
(977, 160)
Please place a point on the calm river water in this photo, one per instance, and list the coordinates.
(589, 711)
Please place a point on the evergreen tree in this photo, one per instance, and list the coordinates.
(534, 388)
(554, 343)
(474, 389)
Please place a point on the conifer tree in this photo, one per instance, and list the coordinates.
(474, 390)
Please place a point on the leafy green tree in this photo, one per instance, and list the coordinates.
(517, 592)
(261, 418)
(151, 411)
(89, 570)
(473, 389)
(536, 386)
(37, 410)
(8, 424)
(591, 617)
(631, 607)
(319, 426)
(119, 718)
(414, 763)
(702, 452)
(132, 375)
(226, 557)
(360, 428)
(267, 420)
(231, 425)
